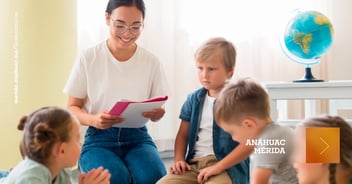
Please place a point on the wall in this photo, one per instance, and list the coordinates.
(340, 62)
(37, 49)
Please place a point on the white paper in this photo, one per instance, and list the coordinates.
(133, 114)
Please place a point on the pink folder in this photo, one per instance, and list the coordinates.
(121, 105)
(132, 111)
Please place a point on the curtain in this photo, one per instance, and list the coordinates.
(175, 28)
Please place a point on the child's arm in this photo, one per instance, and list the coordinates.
(261, 175)
(180, 165)
(240, 153)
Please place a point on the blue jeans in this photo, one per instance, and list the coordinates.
(128, 153)
(4, 173)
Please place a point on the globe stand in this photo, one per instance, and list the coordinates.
(308, 76)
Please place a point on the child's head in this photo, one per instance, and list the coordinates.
(324, 173)
(51, 133)
(215, 60)
(240, 107)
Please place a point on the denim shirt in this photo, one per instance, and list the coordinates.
(222, 142)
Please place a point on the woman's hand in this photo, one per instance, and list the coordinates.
(101, 120)
(95, 176)
(155, 115)
(104, 120)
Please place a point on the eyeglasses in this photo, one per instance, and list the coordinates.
(122, 28)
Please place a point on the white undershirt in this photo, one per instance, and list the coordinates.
(204, 144)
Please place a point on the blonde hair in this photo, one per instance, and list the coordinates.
(243, 98)
(217, 47)
(345, 140)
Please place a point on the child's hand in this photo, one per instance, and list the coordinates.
(95, 176)
(180, 168)
(155, 115)
(207, 172)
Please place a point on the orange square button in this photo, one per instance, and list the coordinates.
(322, 145)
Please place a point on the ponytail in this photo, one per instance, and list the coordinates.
(332, 173)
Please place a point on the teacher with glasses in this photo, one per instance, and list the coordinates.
(118, 68)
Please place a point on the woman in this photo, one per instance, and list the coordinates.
(115, 69)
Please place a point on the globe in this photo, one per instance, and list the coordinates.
(307, 36)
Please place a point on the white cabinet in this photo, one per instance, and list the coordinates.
(339, 94)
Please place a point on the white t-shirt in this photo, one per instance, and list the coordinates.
(204, 143)
(282, 170)
(102, 80)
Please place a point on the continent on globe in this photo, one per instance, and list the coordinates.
(303, 40)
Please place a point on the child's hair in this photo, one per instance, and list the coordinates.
(215, 47)
(113, 4)
(42, 130)
(245, 97)
(345, 140)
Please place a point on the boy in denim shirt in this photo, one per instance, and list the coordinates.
(204, 153)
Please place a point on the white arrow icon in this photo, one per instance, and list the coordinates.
(327, 146)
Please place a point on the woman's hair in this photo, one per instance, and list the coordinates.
(42, 130)
(245, 97)
(217, 47)
(345, 140)
(113, 4)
